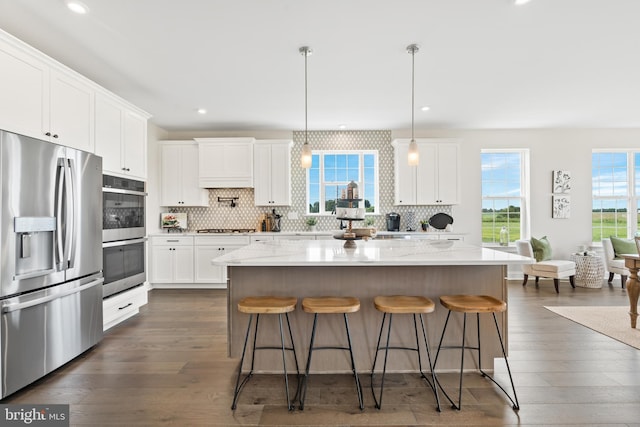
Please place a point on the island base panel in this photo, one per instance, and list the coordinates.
(365, 283)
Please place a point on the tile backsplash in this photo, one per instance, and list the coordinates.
(245, 214)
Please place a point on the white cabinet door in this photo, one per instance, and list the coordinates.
(405, 176)
(162, 270)
(448, 174)
(183, 264)
(109, 134)
(426, 184)
(120, 138)
(170, 175)
(435, 181)
(171, 259)
(205, 272)
(134, 145)
(272, 173)
(71, 118)
(225, 162)
(24, 85)
(179, 176)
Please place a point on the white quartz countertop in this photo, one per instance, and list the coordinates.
(388, 252)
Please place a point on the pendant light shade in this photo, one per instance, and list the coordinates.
(414, 155)
(305, 158)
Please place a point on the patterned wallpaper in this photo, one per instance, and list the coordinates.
(245, 214)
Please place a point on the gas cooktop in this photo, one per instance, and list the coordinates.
(227, 230)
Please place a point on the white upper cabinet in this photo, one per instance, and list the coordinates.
(71, 112)
(435, 181)
(272, 172)
(42, 98)
(24, 85)
(121, 137)
(225, 162)
(179, 175)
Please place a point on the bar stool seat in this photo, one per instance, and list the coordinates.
(475, 304)
(403, 304)
(267, 305)
(330, 305)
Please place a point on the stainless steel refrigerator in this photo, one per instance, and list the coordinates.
(50, 257)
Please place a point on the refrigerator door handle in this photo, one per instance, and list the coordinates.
(70, 220)
(59, 206)
(8, 308)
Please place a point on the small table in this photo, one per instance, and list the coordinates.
(632, 262)
(589, 270)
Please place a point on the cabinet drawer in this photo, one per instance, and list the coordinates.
(172, 241)
(122, 306)
(222, 240)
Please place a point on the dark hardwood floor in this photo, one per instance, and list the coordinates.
(168, 366)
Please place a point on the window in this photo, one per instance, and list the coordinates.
(331, 171)
(505, 184)
(615, 187)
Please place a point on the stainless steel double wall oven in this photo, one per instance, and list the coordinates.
(123, 233)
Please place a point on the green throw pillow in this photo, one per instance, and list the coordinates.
(623, 246)
(541, 248)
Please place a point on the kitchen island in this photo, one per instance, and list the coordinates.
(375, 267)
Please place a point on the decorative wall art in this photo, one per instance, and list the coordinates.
(561, 182)
(561, 206)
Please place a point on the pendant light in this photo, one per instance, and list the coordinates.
(414, 156)
(305, 159)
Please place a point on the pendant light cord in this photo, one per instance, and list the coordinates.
(306, 55)
(413, 72)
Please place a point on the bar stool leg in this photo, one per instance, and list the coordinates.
(378, 403)
(444, 330)
(515, 404)
(295, 358)
(353, 364)
(244, 349)
(305, 380)
(433, 383)
(284, 364)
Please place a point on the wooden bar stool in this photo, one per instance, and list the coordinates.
(330, 305)
(401, 304)
(475, 304)
(267, 305)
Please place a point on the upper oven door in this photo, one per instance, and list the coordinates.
(123, 214)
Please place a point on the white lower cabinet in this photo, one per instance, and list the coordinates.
(185, 261)
(206, 249)
(171, 260)
(122, 306)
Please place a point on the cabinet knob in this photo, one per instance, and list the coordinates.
(48, 134)
(55, 135)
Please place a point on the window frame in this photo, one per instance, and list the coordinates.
(322, 196)
(525, 182)
(632, 198)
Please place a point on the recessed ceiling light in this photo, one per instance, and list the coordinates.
(342, 127)
(425, 108)
(77, 7)
(202, 111)
(520, 2)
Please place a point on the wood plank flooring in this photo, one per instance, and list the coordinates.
(168, 366)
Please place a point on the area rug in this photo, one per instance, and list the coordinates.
(611, 321)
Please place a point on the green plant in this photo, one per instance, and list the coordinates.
(424, 221)
(311, 221)
(368, 221)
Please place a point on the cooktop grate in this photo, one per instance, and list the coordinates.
(227, 230)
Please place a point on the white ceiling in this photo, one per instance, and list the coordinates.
(482, 63)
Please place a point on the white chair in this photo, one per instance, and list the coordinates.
(614, 266)
(553, 268)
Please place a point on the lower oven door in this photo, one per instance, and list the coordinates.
(123, 265)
